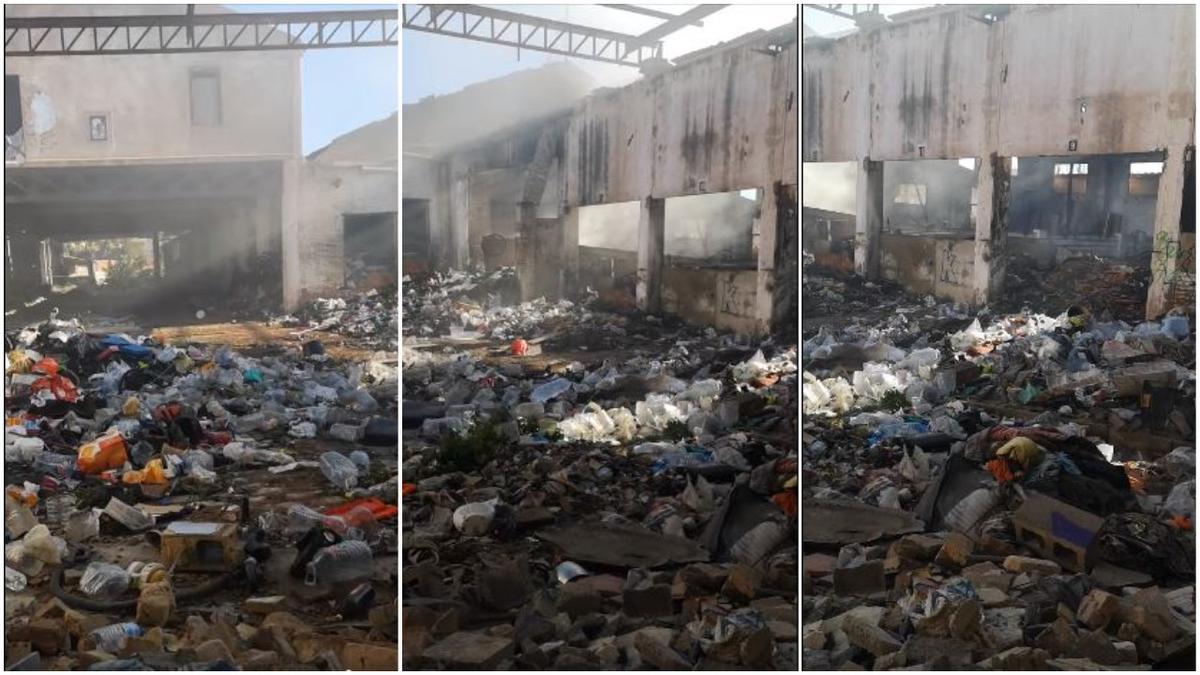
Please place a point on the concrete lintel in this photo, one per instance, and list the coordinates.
(651, 235)
(868, 219)
(1166, 246)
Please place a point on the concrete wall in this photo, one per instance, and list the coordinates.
(147, 98)
(939, 266)
(1113, 78)
(711, 297)
(326, 193)
(147, 101)
(722, 123)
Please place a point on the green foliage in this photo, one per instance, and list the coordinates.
(893, 400)
(676, 431)
(470, 450)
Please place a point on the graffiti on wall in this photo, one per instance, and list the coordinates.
(1173, 260)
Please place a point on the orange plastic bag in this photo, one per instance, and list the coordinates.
(519, 347)
(102, 454)
(152, 474)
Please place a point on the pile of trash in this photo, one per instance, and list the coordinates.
(434, 305)
(185, 506)
(370, 315)
(998, 491)
(579, 511)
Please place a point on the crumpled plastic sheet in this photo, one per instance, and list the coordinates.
(757, 365)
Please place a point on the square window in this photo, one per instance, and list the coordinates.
(98, 127)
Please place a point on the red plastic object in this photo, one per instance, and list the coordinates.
(786, 501)
(408, 489)
(380, 509)
(519, 347)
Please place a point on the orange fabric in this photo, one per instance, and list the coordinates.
(62, 388)
(378, 508)
(1000, 470)
(46, 366)
(786, 501)
(409, 488)
(1181, 523)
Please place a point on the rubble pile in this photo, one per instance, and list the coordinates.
(1116, 290)
(188, 506)
(370, 315)
(997, 491)
(584, 509)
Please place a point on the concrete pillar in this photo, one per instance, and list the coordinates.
(26, 253)
(569, 277)
(651, 234)
(1166, 247)
(157, 250)
(289, 217)
(768, 224)
(991, 228)
(868, 219)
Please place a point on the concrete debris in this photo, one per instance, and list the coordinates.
(644, 471)
(1008, 491)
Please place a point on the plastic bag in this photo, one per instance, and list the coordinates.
(475, 519)
(104, 580)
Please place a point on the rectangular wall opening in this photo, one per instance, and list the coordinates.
(1081, 231)
(370, 249)
(711, 258)
(416, 238)
(608, 243)
(933, 197)
(827, 215)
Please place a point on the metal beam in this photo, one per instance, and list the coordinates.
(675, 23)
(646, 11)
(855, 10)
(523, 31)
(180, 33)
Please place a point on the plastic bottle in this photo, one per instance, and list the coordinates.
(54, 464)
(549, 390)
(23, 449)
(82, 525)
(340, 562)
(104, 580)
(18, 519)
(127, 515)
(110, 638)
(14, 580)
(362, 461)
(339, 470)
(1176, 327)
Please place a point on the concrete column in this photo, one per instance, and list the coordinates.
(768, 224)
(651, 234)
(1166, 246)
(157, 246)
(569, 277)
(26, 253)
(991, 228)
(289, 217)
(868, 219)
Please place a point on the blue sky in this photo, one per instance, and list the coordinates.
(343, 89)
(439, 65)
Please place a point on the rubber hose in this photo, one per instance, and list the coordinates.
(80, 602)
